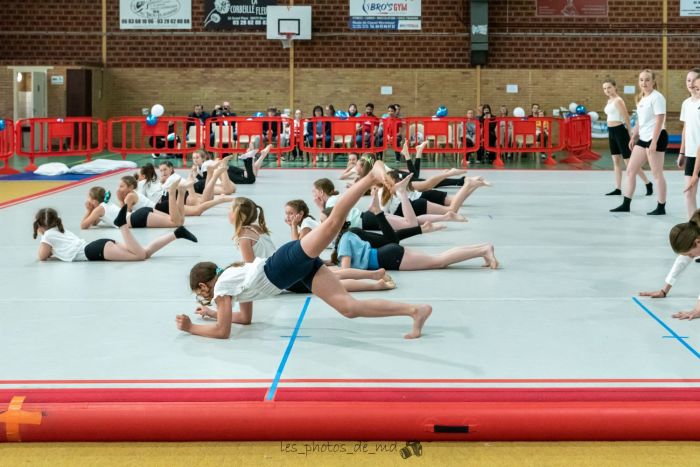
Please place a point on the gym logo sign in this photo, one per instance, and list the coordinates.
(155, 14)
(388, 14)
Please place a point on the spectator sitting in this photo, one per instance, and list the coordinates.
(489, 133)
(542, 132)
(352, 111)
(535, 110)
(299, 133)
(202, 116)
(368, 129)
(319, 135)
(270, 129)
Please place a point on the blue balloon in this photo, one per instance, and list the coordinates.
(341, 114)
(2, 125)
(441, 111)
(259, 114)
(171, 137)
(151, 120)
(580, 110)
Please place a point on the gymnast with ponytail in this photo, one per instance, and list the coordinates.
(685, 242)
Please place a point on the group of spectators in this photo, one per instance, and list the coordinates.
(370, 132)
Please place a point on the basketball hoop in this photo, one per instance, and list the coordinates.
(287, 42)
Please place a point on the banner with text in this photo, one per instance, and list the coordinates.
(690, 7)
(393, 15)
(155, 14)
(572, 7)
(223, 15)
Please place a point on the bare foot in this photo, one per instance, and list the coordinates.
(266, 151)
(454, 216)
(419, 317)
(388, 278)
(428, 227)
(420, 148)
(374, 206)
(377, 274)
(379, 173)
(404, 150)
(187, 185)
(401, 186)
(223, 199)
(490, 258)
(479, 181)
(183, 322)
(225, 160)
(385, 284)
(173, 186)
(453, 172)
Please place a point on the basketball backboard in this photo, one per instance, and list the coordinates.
(289, 20)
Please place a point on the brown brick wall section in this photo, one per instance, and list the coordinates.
(6, 97)
(518, 39)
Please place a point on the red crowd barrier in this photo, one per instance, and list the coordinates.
(132, 135)
(578, 140)
(332, 135)
(451, 135)
(7, 147)
(229, 134)
(528, 134)
(58, 137)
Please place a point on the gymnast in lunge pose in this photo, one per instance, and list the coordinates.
(293, 262)
(685, 242)
(64, 245)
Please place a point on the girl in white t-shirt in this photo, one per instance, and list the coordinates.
(649, 142)
(148, 184)
(619, 135)
(690, 141)
(194, 203)
(64, 245)
(293, 262)
(685, 241)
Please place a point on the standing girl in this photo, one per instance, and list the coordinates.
(690, 142)
(649, 142)
(619, 134)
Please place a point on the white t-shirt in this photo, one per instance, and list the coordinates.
(246, 283)
(205, 166)
(678, 267)
(395, 201)
(648, 108)
(354, 216)
(142, 202)
(151, 190)
(65, 246)
(263, 246)
(690, 115)
(308, 223)
(111, 213)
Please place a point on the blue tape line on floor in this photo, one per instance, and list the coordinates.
(665, 326)
(273, 387)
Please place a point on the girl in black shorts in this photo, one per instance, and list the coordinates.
(62, 244)
(619, 133)
(648, 143)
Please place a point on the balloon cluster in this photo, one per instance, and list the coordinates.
(156, 111)
(518, 112)
(341, 114)
(259, 114)
(441, 111)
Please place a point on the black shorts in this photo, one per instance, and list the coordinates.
(390, 256)
(420, 207)
(369, 221)
(299, 287)
(199, 185)
(689, 166)
(163, 206)
(435, 196)
(619, 141)
(95, 251)
(289, 264)
(139, 218)
(661, 144)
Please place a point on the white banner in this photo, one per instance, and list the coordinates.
(385, 14)
(155, 14)
(690, 7)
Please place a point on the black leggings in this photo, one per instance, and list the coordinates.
(414, 168)
(388, 235)
(240, 177)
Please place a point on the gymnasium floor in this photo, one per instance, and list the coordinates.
(560, 316)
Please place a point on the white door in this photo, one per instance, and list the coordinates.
(39, 99)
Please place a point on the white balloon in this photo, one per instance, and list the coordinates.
(572, 107)
(594, 116)
(518, 112)
(157, 110)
